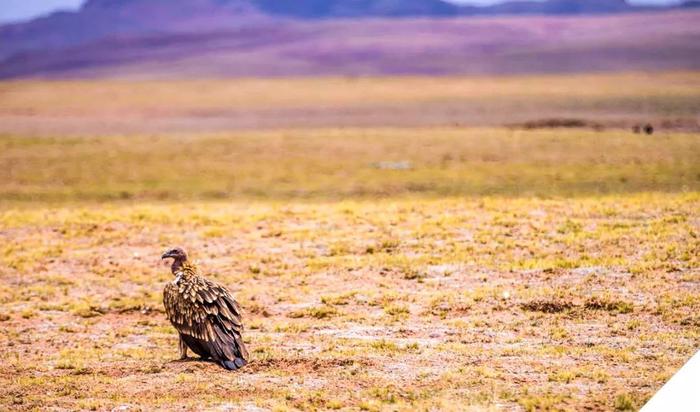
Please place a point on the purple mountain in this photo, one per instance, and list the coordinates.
(279, 37)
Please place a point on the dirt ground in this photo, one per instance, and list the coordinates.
(488, 303)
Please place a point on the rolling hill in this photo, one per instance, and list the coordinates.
(347, 37)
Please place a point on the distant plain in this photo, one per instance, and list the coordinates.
(670, 100)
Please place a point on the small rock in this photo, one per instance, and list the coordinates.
(403, 165)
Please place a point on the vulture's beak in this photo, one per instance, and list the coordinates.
(165, 256)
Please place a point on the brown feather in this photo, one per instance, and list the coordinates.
(206, 311)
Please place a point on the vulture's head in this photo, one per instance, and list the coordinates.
(177, 254)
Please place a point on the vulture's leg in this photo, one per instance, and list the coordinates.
(183, 349)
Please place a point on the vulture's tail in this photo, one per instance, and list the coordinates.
(234, 364)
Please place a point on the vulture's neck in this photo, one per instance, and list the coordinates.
(178, 265)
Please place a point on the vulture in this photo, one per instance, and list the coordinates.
(206, 316)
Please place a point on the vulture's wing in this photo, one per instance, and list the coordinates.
(210, 316)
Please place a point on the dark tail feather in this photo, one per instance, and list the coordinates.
(235, 364)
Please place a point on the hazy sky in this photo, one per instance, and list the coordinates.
(14, 10)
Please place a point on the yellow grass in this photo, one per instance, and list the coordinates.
(338, 163)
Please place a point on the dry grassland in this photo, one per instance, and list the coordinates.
(380, 268)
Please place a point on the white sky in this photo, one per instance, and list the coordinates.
(15, 10)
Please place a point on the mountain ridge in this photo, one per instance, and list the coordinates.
(377, 47)
(84, 38)
(105, 18)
